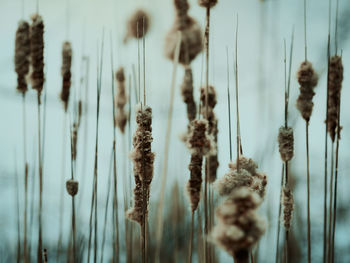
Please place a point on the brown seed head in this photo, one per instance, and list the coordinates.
(239, 226)
(288, 204)
(195, 183)
(121, 100)
(207, 3)
(198, 140)
(37, 53)
(143, 159)
(191, 40)
(335, 78)
(72, 187)
(138, 25)
(307, 79)
(66, 72)
(286, 143)
(22, 55)
(187, 94)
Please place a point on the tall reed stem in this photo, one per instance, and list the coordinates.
(308, 194)
(330, 212)
(39, 252)
(191, 239)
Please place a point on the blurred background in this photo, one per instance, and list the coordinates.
(263, 27)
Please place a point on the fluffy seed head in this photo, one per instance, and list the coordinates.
(307, 79)
(66, 72)
(286, 143)
(120, 100)
(335, 78)
(37, 53)
(198, 140)
(22, 54)
(191, 40)
(143, 159)
(288, 204)
(195, 183)
(239, 226)
(72, 187)
(138, 25)
(187, 94)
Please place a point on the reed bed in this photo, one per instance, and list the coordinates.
(214, 212)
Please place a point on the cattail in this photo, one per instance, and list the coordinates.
(45, 255)
(37, 53)
(143, 159)
(288, 203)
(72, 187)
(66, 72)
(212, 161)
(120, 100)
(246, 176)
(200, 144)
(187, 94)
(22, 53)
(207, 3)
(191, 40)
(138, 25)
(335, 78)
(239, 226)
(307, 79)
(181, 8)
(286, 143)
(74, 141)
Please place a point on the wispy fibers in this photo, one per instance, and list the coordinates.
(37, 81)
(22, 62)
(143, 159)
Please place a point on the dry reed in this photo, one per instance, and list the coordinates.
(66, 73)
(288, 203)
(286, 143)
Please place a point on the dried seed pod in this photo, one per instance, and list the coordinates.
(246, 176)
(74, 141)
(187, 94)
(207, 3)
(181, 7)
(195, 183)
(307, 79)
(286, 143)
(37, 53)
(66, 72)
(288, 204)
(72, 187)
(212, 161)
(143, 159)
(138, 25)
(22, 54)
(120, 100)
(239, 226)
(198, 140)
(335, 78)
(191, 40)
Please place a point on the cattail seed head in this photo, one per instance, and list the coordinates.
(143, 159)
(72, 187)
(138, 25)
(286, 143)
(22, 54)
(246, 176)
(198, 140)
(187, 94)
(37, 53)
(207, 3)
(121, 100)
(307, 79)
(335, 78)
(66, 72)
(239, 227)
(195, 183)
(191, 40)
(288, 204)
